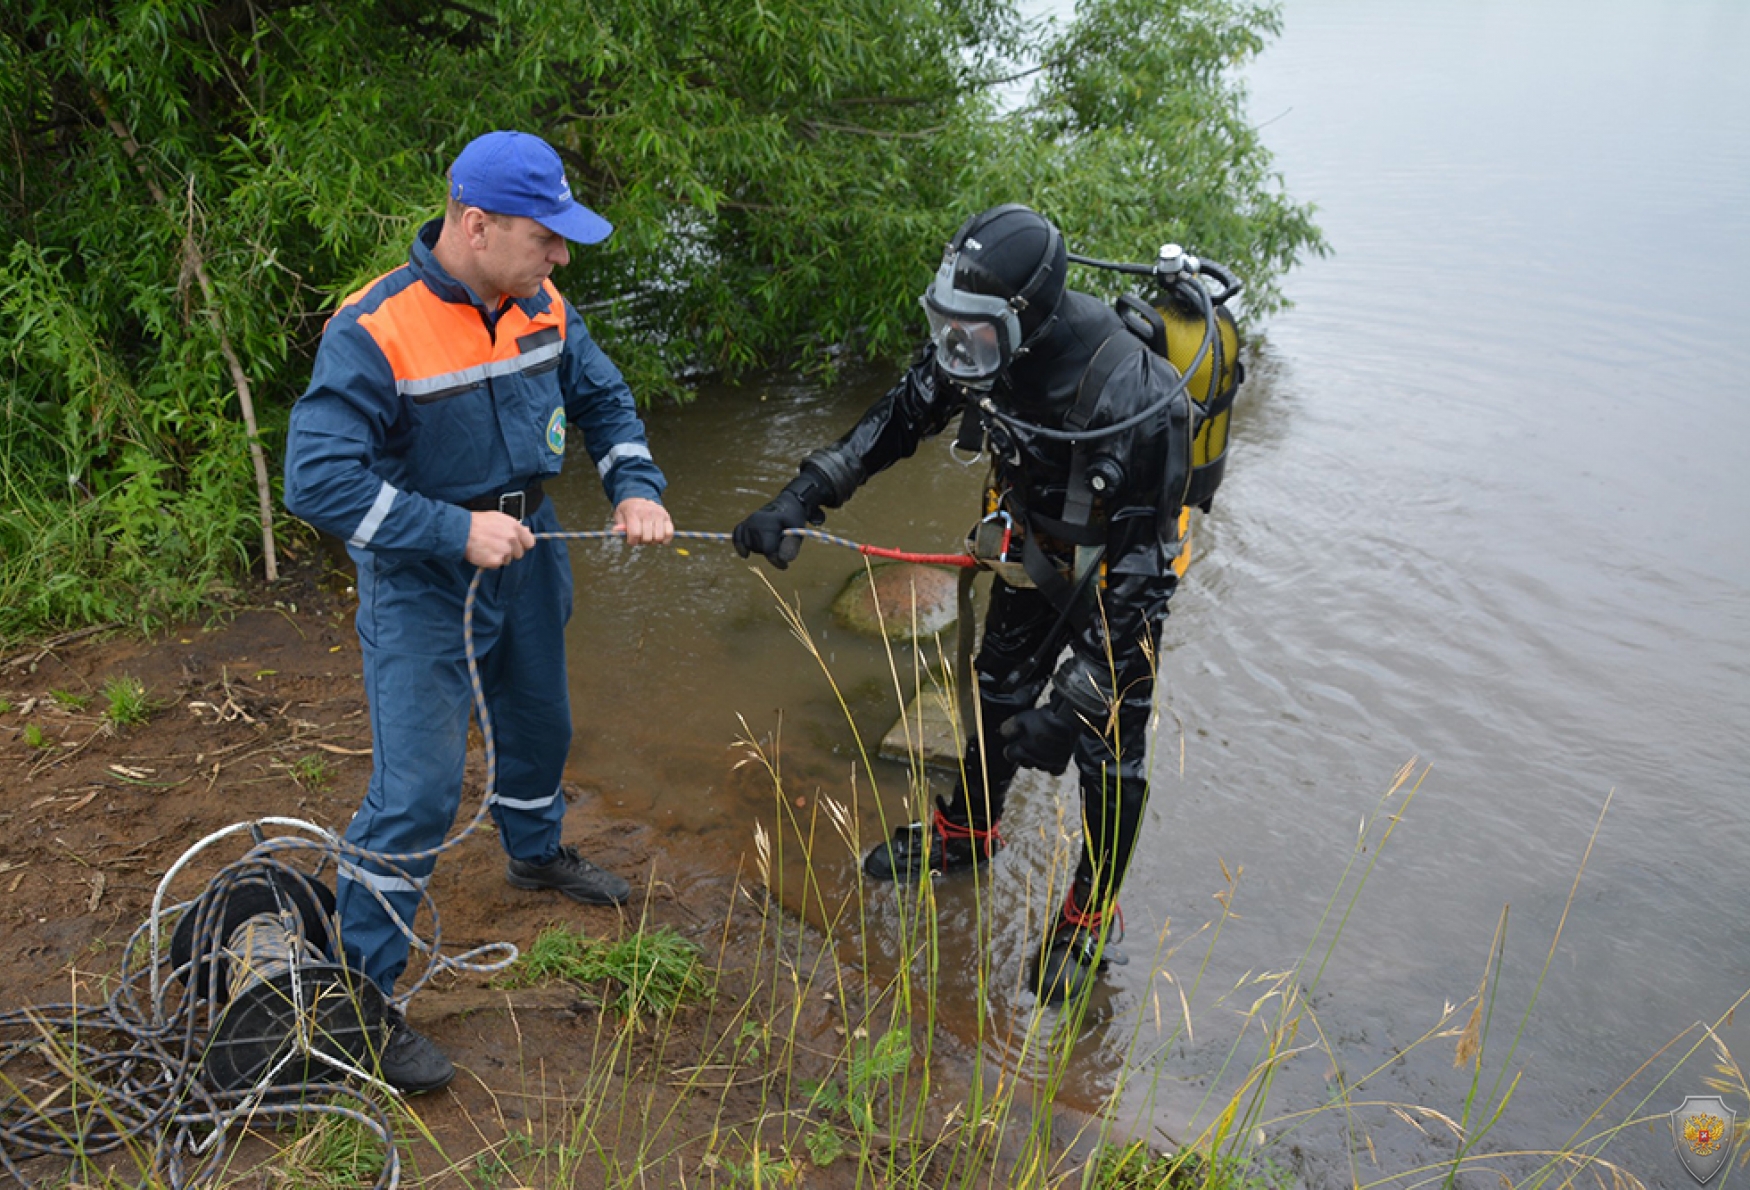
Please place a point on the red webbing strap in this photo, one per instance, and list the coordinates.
(1084, 919)
(949, 829)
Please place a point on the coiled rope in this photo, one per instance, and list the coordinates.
(89, 1080)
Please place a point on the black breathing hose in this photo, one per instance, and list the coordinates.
(1206, 302)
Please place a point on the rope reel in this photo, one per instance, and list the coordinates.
(256, 948)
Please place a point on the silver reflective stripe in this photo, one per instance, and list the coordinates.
(361, 537)
(388, 884)
(425, 386)
(626, 450)
(513, 803)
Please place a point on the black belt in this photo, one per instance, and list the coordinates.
(520, 504)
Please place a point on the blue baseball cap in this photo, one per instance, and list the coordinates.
(515, 173)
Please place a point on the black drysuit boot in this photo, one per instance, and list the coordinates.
(939, 847)
(1076, 951)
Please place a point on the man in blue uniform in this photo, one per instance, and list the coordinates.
(442, 396)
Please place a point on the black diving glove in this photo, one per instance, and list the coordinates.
(1042, 738)
(764, 532)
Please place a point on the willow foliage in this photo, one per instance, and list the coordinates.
(182, 179)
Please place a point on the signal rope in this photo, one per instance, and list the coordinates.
(961, 560)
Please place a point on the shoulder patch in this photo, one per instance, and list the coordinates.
(556, 431)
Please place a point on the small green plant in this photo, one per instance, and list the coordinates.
(500, 1164)
(67, 700)
(140, 953)
(1136, 1167)
(333, 1149)
(5, 707)
(312, 772)
(825, 1145)
(34, 737)
(656, 971)
(869, 1070)
(128, 704)
(751, 1041)
(761, 1170)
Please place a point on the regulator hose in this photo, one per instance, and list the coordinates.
(1204, 302)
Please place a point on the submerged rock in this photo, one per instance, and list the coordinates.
(915, 601)
(928, 730)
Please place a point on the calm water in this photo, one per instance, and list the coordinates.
(1486, 514)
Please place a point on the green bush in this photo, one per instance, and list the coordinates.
(191, 185)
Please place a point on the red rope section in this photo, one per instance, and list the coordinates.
(964, 561)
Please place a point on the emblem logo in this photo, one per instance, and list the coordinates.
(1701, 1128)
(556, 431)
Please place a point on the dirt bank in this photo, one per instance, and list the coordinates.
(263, 714)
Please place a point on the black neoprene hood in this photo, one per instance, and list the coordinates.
(1013, 251)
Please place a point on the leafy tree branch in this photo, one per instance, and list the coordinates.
(781, 176)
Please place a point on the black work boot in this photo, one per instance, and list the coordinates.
(931, 848)
(572, 875)
(1076, 951)
(410, 1061)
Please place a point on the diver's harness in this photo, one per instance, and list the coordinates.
(1189, 478)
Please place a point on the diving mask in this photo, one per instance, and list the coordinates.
(976, 334)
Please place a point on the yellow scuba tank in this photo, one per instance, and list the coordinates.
(1212, 385)
(1177, 330)
(1183, 315)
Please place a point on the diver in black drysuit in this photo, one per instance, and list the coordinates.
(1102, 693)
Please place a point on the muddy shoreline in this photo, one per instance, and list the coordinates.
(262, 713)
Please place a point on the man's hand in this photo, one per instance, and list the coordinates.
(644, 522)
(496, 539)
(1042, 738)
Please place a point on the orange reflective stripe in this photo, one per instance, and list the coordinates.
(424, 337)
(362, 290)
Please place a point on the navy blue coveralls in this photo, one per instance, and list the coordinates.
(421, 401)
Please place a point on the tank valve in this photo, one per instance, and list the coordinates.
(1174, 261)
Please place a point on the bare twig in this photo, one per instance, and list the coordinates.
(31, 656)
(196, 263)
(878, 133)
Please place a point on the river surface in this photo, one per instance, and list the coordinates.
(1487, 516)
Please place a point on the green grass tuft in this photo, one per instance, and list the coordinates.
(1136, 1167)
(312, 772)
(128, 704)
(656, 971)
(330, 1151)
(69, 701)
